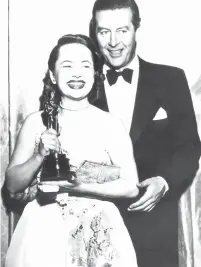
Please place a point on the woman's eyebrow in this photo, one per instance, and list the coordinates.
(66, 61)
(86, 61)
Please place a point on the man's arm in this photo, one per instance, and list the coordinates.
(186, 148)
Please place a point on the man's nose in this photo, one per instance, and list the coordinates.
(113, 40)
(77, 76)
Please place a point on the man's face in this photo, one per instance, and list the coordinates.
(116, 36)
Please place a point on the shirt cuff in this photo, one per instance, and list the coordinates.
(166, 185)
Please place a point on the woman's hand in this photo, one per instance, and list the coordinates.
(56, 186)
(48, 141)
(45, 188)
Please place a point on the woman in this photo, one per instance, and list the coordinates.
(73, 231)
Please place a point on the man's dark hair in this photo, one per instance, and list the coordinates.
(101, 5)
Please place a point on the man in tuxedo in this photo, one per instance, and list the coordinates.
(154, 104)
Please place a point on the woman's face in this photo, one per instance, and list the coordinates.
(74, 71)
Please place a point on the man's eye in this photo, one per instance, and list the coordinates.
(103, 32)
(123, 31)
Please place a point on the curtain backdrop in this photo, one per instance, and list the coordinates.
(190, 205)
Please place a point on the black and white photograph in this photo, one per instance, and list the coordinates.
(100, 133)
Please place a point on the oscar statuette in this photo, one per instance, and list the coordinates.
(55, 166)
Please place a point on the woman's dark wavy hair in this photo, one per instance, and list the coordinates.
(50, 89)
(101, 5)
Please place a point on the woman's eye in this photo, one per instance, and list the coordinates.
(86, 66)
(66, 66)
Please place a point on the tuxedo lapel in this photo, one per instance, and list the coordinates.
(145, 103)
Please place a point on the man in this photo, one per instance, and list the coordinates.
(154, 104)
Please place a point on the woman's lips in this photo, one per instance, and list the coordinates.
(76, 84)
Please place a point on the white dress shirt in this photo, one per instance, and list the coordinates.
(121, 95)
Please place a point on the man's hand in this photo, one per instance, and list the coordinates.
(155, 189)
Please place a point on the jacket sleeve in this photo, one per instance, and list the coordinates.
(185, 147)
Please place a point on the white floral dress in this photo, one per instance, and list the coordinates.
(83, 232)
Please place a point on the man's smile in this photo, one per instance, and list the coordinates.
(115, 53)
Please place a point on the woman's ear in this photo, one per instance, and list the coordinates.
(52, 77)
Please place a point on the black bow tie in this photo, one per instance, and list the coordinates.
(112, 75)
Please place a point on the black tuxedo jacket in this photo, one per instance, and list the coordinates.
(169, 148)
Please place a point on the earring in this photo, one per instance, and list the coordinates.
(53, 81)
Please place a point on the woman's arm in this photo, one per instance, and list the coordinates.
(119, 147)
(120, 188)
(24, 162)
